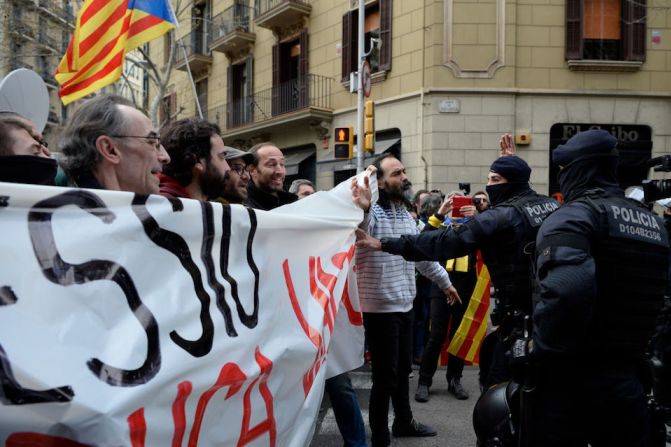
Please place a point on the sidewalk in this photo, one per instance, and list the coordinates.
(452, 418)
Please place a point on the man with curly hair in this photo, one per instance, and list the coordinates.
(198, 166)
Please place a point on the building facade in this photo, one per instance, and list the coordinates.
(35, 34)
(448, 78)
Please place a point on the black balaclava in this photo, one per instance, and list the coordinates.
(513, 169)
(588, 160)
(588, 173)
(504, 191)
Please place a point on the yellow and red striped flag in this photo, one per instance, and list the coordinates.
(105, 31)
(467, 339)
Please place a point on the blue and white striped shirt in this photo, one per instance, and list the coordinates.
(387, 282)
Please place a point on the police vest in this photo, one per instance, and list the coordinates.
(509, 258)
(631, 254)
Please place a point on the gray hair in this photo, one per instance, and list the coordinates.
(296, 184)
(430, 205)
(96, 117)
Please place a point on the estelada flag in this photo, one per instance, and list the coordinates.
(467, 339)
(105, 31)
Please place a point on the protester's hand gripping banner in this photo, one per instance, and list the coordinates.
(135, 320)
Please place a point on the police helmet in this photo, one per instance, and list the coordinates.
(494, 416)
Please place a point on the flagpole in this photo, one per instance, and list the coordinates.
(180, 42)
(188, 70)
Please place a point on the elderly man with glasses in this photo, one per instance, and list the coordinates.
(110, 144)
(198, 167)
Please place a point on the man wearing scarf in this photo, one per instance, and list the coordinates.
(504, 235)
(24, 157)
(602, 263)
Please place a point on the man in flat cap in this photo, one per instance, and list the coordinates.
(503, 235)
(602, 263)
(235, 184)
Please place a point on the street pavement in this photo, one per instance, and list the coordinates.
(452, 418)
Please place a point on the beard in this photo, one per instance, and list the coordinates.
(212, 183)
(232, 192)
(399, 193)
(266, 184)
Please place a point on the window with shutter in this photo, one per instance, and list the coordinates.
(239, 93)
(605, 30)
(231, 120)
(303, 81)
(290, 75)
(201, 91)
(275, 96)
(377, 25)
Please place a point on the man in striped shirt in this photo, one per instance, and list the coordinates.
(387, 290)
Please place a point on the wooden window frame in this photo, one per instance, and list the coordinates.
(350, 45)
(277, 106)
(633, 38)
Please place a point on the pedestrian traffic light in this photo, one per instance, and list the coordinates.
(369, 127)
(344, 143)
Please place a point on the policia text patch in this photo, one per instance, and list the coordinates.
(638, 224)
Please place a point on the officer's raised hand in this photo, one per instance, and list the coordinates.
(507, 145)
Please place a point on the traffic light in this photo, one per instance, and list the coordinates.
(344, 143)
(369, 127)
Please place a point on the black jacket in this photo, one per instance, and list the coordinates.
(601, 269)
(261, 200)
(501, 234)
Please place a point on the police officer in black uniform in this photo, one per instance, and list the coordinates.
(504, 235)
(602, 263)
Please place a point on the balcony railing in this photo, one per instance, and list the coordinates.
(263, 6)
(54, 9)
(290, 96)
(16, 62)
(197, 51)
(276, 14)
(233, 18)
(44, 39)
(23, 31)
(230, 30)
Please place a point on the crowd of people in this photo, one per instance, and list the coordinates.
(571, 322)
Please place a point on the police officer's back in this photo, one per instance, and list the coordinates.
(601, 271)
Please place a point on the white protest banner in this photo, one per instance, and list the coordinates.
(135, 320)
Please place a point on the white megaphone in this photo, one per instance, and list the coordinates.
(24, 92)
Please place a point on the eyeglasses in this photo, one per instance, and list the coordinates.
(240, 169)
(154, 140)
